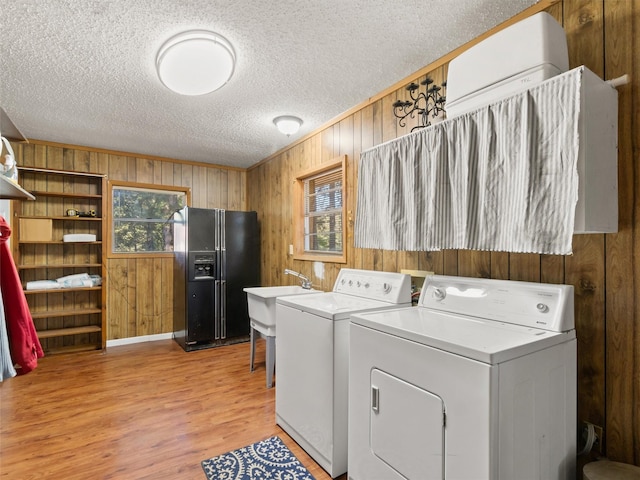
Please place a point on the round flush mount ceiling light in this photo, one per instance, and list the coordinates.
(288, 124)
(196, 62)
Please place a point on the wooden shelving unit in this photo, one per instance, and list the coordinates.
(65, 195)
(61, 290)
(60, 265)
(60, 242)
(66, 319)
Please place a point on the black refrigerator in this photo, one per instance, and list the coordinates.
(216, 256)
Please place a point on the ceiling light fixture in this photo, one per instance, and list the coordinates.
(195, 62)
(288, 124)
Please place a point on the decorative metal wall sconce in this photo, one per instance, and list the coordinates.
(426, 105)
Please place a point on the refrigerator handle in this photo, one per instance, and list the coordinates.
(217, 230)
(217, 310)
(223, 231)
(223, 309)
(223, 265)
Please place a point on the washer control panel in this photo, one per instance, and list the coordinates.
(536, 305)
(385, 286)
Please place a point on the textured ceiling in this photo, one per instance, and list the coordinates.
(82, 71)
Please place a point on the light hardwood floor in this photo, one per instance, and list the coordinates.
(142, 411)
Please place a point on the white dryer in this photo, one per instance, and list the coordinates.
(313, 359)
(476, 383)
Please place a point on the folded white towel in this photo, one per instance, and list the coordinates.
(43, 285)
(79, 237)
(77, 280)
(68, 281)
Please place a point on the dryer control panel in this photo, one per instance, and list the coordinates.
(536, 305)
(384, 286)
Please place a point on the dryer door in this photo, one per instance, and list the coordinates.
(407, 427)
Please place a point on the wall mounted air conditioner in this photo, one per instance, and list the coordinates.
(511, 60)
(526, 54)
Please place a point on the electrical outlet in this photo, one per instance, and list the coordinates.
(598, 437)
(417, 277)
(597, 446)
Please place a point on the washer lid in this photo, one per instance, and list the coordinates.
(487, 341)
(334, 306)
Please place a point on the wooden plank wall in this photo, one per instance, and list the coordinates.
(603, 35)
(140, 290)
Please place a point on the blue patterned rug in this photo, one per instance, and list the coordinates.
(269, 459)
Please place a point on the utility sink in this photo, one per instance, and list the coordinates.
(262, 312)
(262, 305)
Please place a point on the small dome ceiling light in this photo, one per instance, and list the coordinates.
(195, 62)
(288, 124)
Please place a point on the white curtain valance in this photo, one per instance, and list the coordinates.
(501, 178)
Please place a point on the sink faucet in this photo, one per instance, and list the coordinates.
(304, 281)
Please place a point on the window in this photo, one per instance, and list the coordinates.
(319, 214)
(142, 217)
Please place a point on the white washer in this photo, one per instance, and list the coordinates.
(313, 359)
(476, 383)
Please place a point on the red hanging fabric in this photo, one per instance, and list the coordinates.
(23, 340)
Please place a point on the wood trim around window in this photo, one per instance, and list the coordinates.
(298, 213)
(109, 220)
